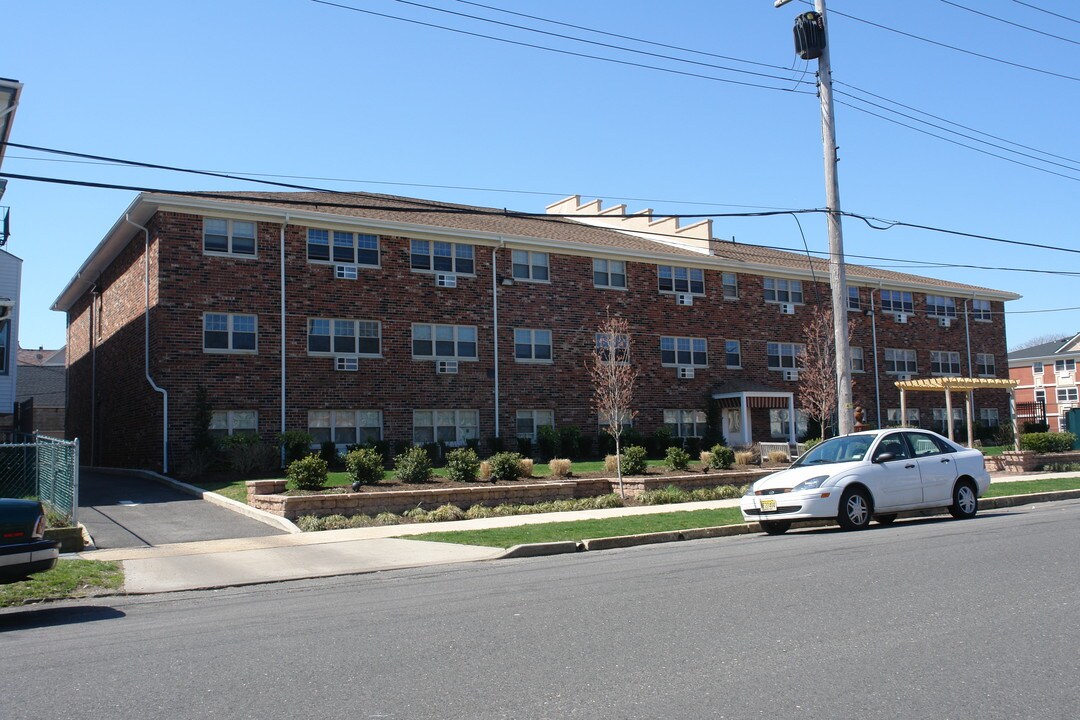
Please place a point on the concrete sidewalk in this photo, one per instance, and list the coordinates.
(251, 560)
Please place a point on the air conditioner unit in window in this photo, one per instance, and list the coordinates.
(903, 377)
(787, 309)
(684, 299)
(446, 367)
(346, 363)
(686, 373)
(445, 281)
(791, 374)
(345, 272)
(901, 318)
(944, 322)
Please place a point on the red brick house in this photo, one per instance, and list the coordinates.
(1047, 377)
(414, 320)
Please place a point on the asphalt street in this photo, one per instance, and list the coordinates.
(929, 618)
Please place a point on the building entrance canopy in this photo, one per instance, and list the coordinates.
(947, 385)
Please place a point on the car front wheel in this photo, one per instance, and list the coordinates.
(775, 527)
(965, 501)
(855, 510)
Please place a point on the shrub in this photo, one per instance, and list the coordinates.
(485, 470)
(197, 463)
(660, 440)
(526, 467)
(559, 467)
(677, 458)
(525, 446)
(570, 441)
(307, 473)
(548, 441)
(635, 461)
(365, 466)
(611, 500)
(1034, 427)
(434, 452)
(446, 513)
(413, 466)
(247, 453)
(462, 465)
(328, 452)
(417, 515)
(664, 496)
(778, 456)
(495, 445)
(811, 442)
(309, 523)
(386, 518)
(505, 466)
(722, 457)
(297, 444)
(611, 463)
(477, 511)
(744, 457)
(705, 458)
(1047, 442)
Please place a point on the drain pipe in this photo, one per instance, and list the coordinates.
(495, 325)
(146, 342)
(95, 300)
(873, 335)
(282, 243)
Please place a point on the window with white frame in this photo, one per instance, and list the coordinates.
(626, 421)
(897, 301)
(857, 363)
(680, 279)
(984, 365)
(228, 237)
(781, 290)
(442, 257)
(685, 423)
(532, 345)
(892, 417)
(224, 423)
(731, 285)
(1065, 365)
(684, 351)
(988, 417)
(1040, 396)
(732, 354)
(941, 426)
(621, 343)
(1037, 369)
(780, 423)
(529, 422)
(940, 306)
(785, 356)
(943, 362)
(981, 310)
(452, 427)
(226, 332)
(339, 246)
(609, 273)
(345, 427)
(853, 301)
(344, 337)
(530, 266)
(1066, 394)
(450, 342)
(898, 360)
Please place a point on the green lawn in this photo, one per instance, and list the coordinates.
(1023, 487)
(992, 450)
(69, 579)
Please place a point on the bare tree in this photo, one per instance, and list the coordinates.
(817, 371)
(613, 379)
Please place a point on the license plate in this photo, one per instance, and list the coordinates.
(768, 505)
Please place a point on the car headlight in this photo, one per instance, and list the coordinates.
(810, 484)
(749, 490)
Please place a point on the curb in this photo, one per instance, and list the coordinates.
(541, 549)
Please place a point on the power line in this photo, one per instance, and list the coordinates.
(1042, 10)
(1009, 22)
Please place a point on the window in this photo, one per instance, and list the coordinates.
(444, 341)
(897, 301)
(853, 302)
(344, 337)
(900, 361)
(228, 237)
(685, 423)
(731, 286)
(343, 247)
(940, 306)
(1065, 365)
(680, 279)
(684, 351)
(892, 417)
(732, 354)
(984, 365)
(452, 427)
(5, 345)
(529, 422)
(626, 421)
(1037, 368)
(780, 423)
(783, 291)
(784, 356)
(1066, 395)
(622, 347)
(988, 417)
(532, 266)
(1040, 396)
(224, 332)
(857, 364)
(345, 427)
(233, 422)
(981, 310)
(443, 257)
(944, 363)
(941, 427)
(609, 273)
(532, 345)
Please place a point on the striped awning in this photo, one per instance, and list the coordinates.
(754, 400)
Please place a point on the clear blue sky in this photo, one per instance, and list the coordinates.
(293, 87)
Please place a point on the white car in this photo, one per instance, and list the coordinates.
(869, 475)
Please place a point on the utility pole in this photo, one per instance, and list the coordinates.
(837, 273)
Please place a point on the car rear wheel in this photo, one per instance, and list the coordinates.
(965, 501)
(886, 519)
(775, 527)
(855, 510)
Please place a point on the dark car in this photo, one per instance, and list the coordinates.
(23, 549)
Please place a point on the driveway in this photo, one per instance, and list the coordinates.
(121, 512)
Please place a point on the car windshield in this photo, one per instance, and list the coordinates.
(837, 450)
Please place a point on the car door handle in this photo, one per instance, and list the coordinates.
(908, 467)
(944, 459)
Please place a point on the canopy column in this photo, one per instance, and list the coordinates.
(948, 411)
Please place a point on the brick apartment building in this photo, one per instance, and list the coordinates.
(408, 319)
(1047, 377)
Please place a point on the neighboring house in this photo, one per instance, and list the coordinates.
(360, 316)
(41, 390)
(1047, 377)
(10, 270)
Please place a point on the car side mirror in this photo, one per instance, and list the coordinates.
(884, 457)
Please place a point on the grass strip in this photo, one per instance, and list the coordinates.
(69, 579)
(1023, 487)
(582, 529)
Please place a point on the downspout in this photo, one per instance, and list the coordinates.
(495, 325)
(146, 349)
(873, 335)
(971, 374)
(95, 299)
(282, 250)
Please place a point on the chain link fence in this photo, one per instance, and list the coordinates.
(36, 466)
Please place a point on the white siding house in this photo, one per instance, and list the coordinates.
(10, 285)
